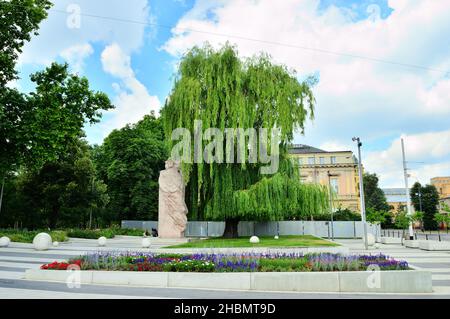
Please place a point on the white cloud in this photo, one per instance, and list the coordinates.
(57, 36)
(332, 146)
(436, 99)
(132, 100)
(376, 101)
(426, 153)
(76, 54)
(116, 62)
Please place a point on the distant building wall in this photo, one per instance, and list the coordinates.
(396, 199)
(442, 185)
(315, 165)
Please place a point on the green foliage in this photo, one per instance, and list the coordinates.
(445, 208)
(110, 232)
(90, 233)
(24, 236)
(283, 265)
(20, 20)
(441, 219)
(223, 91)
(402, 220)
(190, 266)
(39, 127)
(283, 241)
(129, 162)
(417, 217)
(430, 201)
(376, 217)
(60, 194)
(339, 215)
(374, 196)
(275, 198)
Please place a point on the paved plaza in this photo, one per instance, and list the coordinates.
(15, 259)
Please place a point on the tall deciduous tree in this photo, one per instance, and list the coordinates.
(20, 19)
(430, 202)
(223, 91)
(37, 128)
(61, 193)
(375, 198)
(129, 161)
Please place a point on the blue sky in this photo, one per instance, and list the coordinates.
(134, 64)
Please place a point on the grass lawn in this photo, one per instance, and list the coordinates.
(283, 241)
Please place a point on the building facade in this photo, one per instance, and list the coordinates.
(442, 185)
(396, 199)
(337, 169)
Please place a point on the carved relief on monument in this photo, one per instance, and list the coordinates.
(172, 219)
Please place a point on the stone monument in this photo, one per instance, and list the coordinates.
(172, 219)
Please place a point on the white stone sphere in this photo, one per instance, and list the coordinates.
(146, 243)
(254, 240)
(42, 241)
(370, 240)
(276, 237)
(5, 241)
(102, 241)
(55, 244)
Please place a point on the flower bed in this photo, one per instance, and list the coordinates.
(279, 262)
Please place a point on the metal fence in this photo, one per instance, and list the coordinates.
(325, 229)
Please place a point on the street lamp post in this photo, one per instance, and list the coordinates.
(408, 198)
(361, 192)
(419, 194)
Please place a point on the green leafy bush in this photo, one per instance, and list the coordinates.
(284, 265)
(24, 236)
(91, 233)
(190, 266)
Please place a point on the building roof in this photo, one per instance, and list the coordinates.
(395, 195)
(306, 149)
(394, 191)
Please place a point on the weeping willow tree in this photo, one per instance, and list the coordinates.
(223, 91)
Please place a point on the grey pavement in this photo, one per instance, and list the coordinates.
(15, 259)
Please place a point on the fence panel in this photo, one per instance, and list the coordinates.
(215, 229)
(246, 228)
(292, 228)
(343, 229)
(316, 228)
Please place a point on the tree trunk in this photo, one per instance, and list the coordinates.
(231, 228)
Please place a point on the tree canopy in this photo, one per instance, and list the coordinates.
(129, 162)
(61, 193)
(20, 20)
(373, 194)
(429, 200)
(224, 91)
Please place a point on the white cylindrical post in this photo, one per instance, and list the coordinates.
(408, 199)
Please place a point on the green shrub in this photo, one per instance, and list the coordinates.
(283, 265)
(90, 233)
(128, 232)
(190, 266)
(24, 236)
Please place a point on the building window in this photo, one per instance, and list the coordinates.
(333, 159)
(311, 161)
(322, 161)
(335, 185)
(300, 161)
